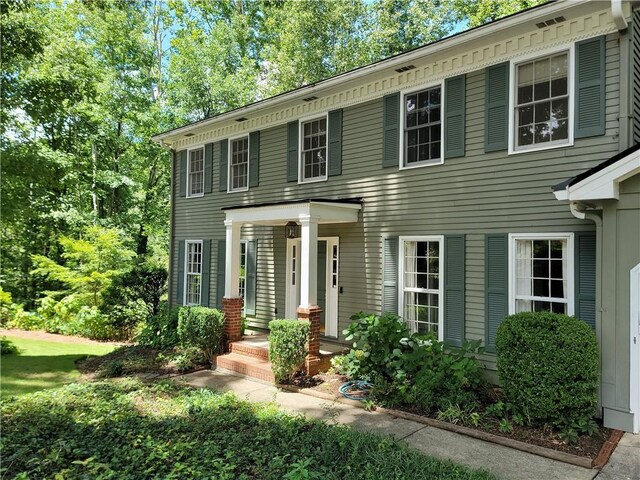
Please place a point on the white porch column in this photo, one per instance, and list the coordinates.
(308, 261)
(232, 264)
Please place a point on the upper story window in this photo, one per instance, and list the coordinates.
(542, 274)
(195, 173)
(193, 272)
(239, 164)
(313, 156)
(423, 127)
(542, 103)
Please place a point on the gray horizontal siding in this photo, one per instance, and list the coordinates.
(475, 194)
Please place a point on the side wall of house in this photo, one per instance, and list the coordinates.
(476, 194)
(620, 253)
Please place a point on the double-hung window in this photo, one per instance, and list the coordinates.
(239, 164)
(313, 156)
(422, 283)
(242, 288)
(422, 117)
(195, 173)
(542, 273)
(542, 103)
(193, 272)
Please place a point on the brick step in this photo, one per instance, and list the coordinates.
(246, 365)
(249, 350)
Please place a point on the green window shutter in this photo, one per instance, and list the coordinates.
(254, 159)
(250, 278)
(585, 277)
(454, 248)
(496, 286)
(496, 112)
(390, 275)
(182, 159)
(206, 273)
(454, 116)
(180, 279)
(335, 143)
(391, 130)
(292, 151)
(208, 162)
(589, 102)
(224, 161)
(220, 271)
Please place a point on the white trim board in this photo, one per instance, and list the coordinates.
(634, 346)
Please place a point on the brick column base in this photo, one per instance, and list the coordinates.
(312, 313)
(232, 308)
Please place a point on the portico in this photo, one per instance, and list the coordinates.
(308, 214)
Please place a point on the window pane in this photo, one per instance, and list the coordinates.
(559, 87)
(525, 94)
(542, 112)
(541, 70)
(525, 135)
(541, 90)
(525, 73)
(525, 115)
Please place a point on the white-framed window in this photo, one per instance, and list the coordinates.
(421, 292)
(193, 272)
(195, 172)
(422, 123)
(541, 112)
(242, 287)
(313, 149)
(238, 164)
(541, 273)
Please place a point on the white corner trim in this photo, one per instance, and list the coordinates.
(634, 346)
(568, 236)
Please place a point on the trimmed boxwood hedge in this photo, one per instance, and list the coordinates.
(548, 367)
(203, 328)
(288, 340)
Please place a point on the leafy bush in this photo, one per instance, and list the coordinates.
(187, 359)
(288, 340)
(160, 330)
(127, 318)
(548, 367)
(143, 283)
(201, 327)
(7, 347)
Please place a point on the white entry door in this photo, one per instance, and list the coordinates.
(328, 264)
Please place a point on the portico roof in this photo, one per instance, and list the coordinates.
(320, 210)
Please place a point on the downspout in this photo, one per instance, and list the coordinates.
(579, 210)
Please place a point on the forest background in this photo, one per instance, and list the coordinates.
(85, 84)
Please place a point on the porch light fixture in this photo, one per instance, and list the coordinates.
(292, 230)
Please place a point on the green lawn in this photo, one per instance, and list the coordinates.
(125, 429)
(42, 364)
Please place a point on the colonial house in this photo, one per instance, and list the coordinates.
(491, 172)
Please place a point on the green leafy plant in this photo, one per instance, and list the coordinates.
(160, 330)
(548, 367)
(7, 347)
(452, 414)
(201, 327)
(369, 405)
(505, 425)
(112, 368)
(288, 341)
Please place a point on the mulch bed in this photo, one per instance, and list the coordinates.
(586, 446)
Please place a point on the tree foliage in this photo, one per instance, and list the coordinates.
(86, 84)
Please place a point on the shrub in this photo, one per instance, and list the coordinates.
(144, 282)
(288, 341)
(160, 330)
(187, 359)
(548, 367)
(7, 347)
(201, 327)
(125, 319)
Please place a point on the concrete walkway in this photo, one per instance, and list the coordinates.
(504, 462)
(624, 464)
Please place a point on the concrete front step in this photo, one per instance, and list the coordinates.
(245, 348)
(258, 368)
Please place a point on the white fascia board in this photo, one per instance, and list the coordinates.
(321, 212)
(605, 184)
(477, 34)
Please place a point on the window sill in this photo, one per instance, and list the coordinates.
(238, 190)
(313, 180)
(199, 195)
(516, 151)
(422, 164)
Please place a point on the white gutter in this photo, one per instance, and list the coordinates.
(401, 59)
(618, 14)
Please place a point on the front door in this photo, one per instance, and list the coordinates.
(328, 260)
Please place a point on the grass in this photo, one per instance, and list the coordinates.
(42, 364)
(125, 429)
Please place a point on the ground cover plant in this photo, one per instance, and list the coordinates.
(43, 364)
(129, 430)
